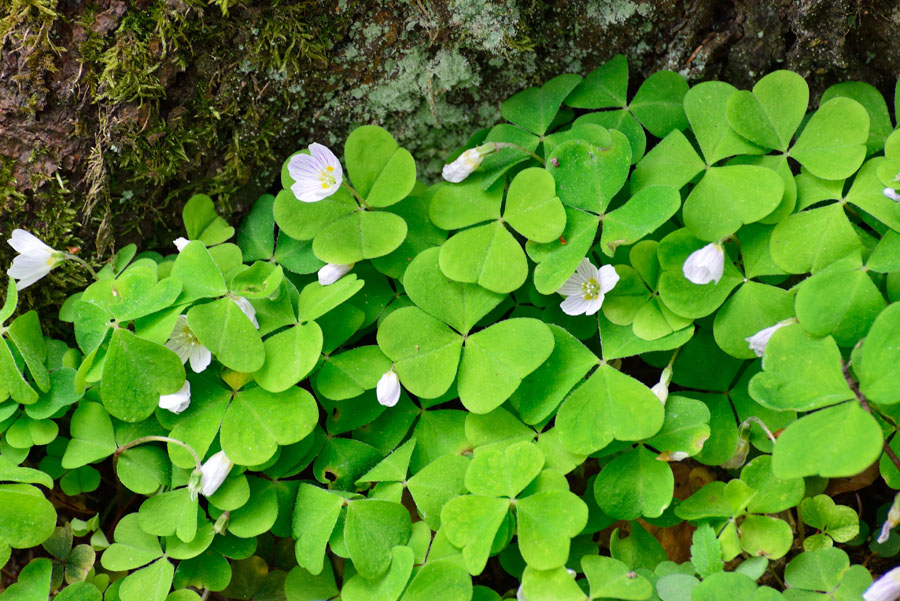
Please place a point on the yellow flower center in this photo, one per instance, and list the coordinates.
(189, 336)
(326, 176)
(590, 289)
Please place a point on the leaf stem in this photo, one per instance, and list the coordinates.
(144, 439)
(854, 386)
(532, 154)
(77, 259)
(356, 195)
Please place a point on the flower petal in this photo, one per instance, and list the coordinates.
(607, 277)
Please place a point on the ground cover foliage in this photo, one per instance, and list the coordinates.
(374, 389)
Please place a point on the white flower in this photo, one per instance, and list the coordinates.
(245, 306)
(466, 163)
(893, 519)
(180, 242)
(758, 341)
(388, 389)
(177, 402)
(886, 588)
(705, 265)
(214, 472)
(332, 272)
(34, 261)
(661, 388)
(185, 344)
(316, 175)
(892, 194)
(586, 288)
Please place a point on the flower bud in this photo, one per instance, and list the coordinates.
(332, 272)
(758, 341)
(467, 162)
(705, 265)
(892, 194)
(388, 389)
(214, 472)
(893, 519)
(661, 388)
(180, 242)
(178, 401)
(886, 588)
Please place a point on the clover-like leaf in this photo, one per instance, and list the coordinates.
(633, 485)
(879, 381)
(535, 108)
(496, 359)
(223, 328)
(532, 207)
(503, 472)
(547, 521)
(487, 255)
(471, 522)
(833, 143)
(372, 528)
(360, 235)
(592, 175)
(770, 114)
(610, 577)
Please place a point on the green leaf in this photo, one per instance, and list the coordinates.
(833, 143)
(394, 467)
(388, 587)
(728, 197)
(470, 523)
(92, 436)
(705, 106)
(837, 521)
(377, 166)
(557, 261)
(256, 235)
(644, 212)
(556, 584)
(633, 485)
(706, 551)
(315, 515)
(27, 518)
(258, 421)
(841, 303)
(503, 472)
(33, 582)
(541, 392)
(547, 521)
(372, 528)
(879, 381)
(136, 373)
(535, 108)
(170, 513)
(25, 332)
(10, 301)
(152, 583)
(303, 220)
(532, 207)
(457, 304)
(133, 547)
(672, 162)
(725, 585)
(435, 484)
(232, 338)
(685, 429)
(303, 586)
(610, 405)
(773, 495)
(497, 359)
(817, 570)
(770, 115)
(586, 127)
(764, 536)
(12, 380)
(871, 100)
(290, 356)
(360, 235)
(203, 223)
(10, 472)
(592, 175)
(833, 443)
(801, 372)
(753, 307)
(200, 276)
(867, 193)
(259, 513)
(455, 206)
(486, 255)
(610, 577)
(439, 580)
(144, 469)
(812, 240)
(317, 300)
(604, 87)
(659, 103)
(425, 352)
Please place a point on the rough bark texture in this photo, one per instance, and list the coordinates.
(114, 112)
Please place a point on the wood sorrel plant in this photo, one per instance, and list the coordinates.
(623, 334)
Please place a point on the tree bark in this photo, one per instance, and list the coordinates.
(113, 113)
